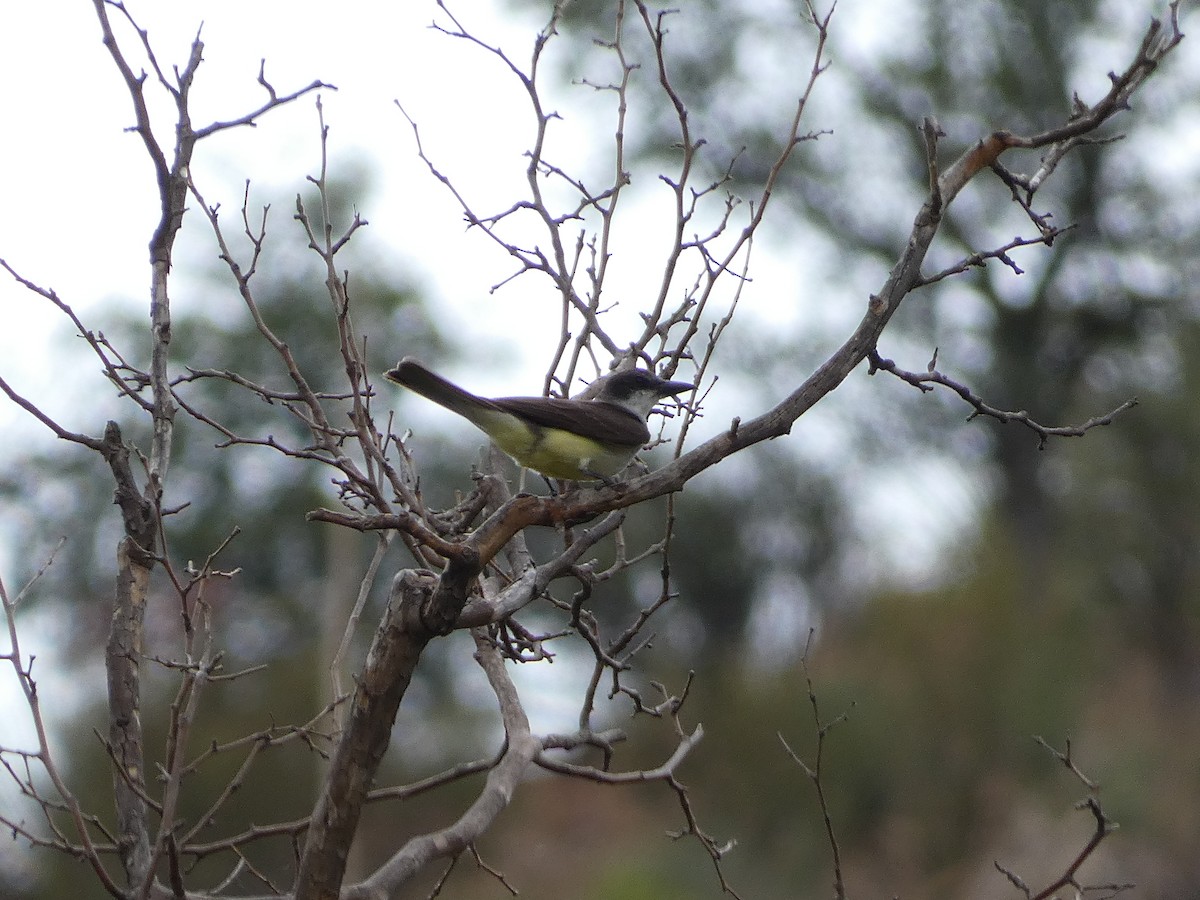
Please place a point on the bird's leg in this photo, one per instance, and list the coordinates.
(608, 480)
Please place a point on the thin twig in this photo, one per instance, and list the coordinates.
(932, 376)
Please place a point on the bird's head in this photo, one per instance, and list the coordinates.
(637, 390)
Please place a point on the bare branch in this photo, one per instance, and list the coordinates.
(1000, 253)
(1104, 827)
(814, 772)
(118, 372)
(32, 408)
(23, 671)
(364, 590)
(273, 101)
(521, 748)
(1064, 757)
(1044, 432)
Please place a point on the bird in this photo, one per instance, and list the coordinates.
(577, 440)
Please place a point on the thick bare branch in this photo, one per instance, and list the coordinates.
(395, 651)
(521, 747)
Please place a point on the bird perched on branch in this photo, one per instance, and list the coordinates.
(580, 440)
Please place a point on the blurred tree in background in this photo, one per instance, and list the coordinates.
(1064, 602)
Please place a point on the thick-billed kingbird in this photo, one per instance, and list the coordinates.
(581, 440)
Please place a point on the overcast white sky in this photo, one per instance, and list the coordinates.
(78, 200)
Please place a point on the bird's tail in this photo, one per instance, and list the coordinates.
(414, 376)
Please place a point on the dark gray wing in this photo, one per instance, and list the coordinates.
(593, 419)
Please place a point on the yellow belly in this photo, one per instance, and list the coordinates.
(561, 454)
